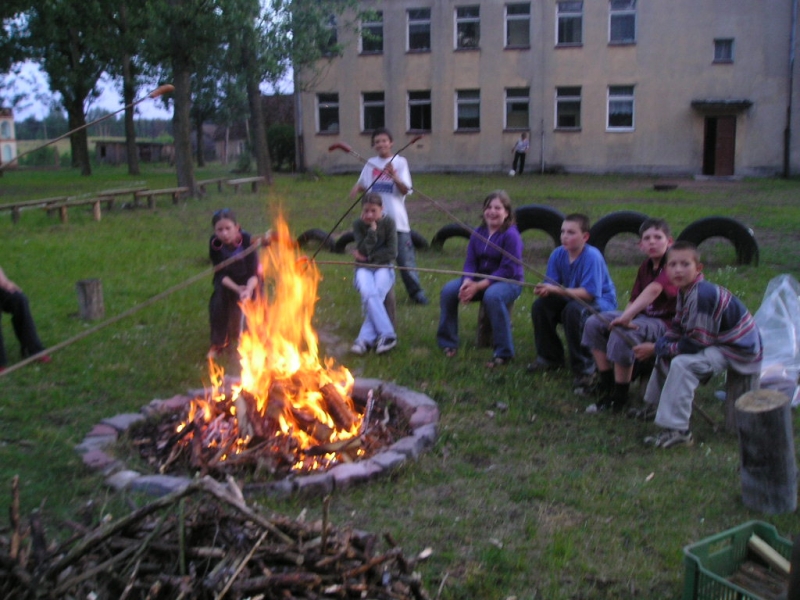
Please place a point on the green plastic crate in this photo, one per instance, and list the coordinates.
(710, 561)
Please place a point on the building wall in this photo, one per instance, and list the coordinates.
(8, 139)
(670, 65)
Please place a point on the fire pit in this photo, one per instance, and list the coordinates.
(295, 420)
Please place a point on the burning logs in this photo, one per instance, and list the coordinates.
(205, 542)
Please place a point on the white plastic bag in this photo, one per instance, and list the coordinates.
(778, 318)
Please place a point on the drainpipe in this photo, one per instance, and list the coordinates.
(787, 132)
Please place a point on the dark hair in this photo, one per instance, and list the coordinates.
(381, 131)
(223, 213)
(654, 223)
(685, 246)
(501, 195)
(581, 219)
(372, 198)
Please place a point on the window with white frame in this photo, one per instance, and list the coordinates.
(620, 108)
(419, 29)
(622, 21)
(468, 27)
(331, 39)
(5, 130)
(569, 23)
(518, 108)
(568, 107)
(8, 153)
(373, 110)
(419, 110)
(468, 110)
(372, 33)
(328, 113)
(518, 25)
(723, 50)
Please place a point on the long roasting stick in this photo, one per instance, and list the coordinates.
(159, 91)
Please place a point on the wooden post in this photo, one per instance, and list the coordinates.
(484, 337)
(766, 446)
(90, 299)
(736, 385)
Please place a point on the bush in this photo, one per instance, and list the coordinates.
(43, 157)
(280, 140)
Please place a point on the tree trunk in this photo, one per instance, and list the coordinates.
(259, 133)
(198, 127)
(128, 93)
(79, 141)
(181, 125)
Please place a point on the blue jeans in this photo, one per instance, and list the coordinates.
(407, 258)
(496, 299)
(373, 285)
(547, 312)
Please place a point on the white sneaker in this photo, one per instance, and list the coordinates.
(360, 348)
(385, 344)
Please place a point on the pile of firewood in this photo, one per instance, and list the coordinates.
(203, 542)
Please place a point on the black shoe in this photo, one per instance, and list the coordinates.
(584, 384)
(421, 299)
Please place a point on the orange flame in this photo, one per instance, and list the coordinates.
(285, 389)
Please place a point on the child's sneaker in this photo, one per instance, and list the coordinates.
(644, 413)
(385, 344)
(668, 438)
(359, 347)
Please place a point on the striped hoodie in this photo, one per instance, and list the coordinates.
(709, 315)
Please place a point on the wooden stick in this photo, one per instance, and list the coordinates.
(769, 554)
(16, 536)
(241, 566)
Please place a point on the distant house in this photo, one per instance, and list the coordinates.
(8, 140)
(115, 152)
(231, 141)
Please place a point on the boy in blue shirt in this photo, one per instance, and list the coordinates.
(577, 284)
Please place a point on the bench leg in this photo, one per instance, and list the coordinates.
(15, 214)
(96, 210)
(176, 197)
(62, 213)
(151, 202)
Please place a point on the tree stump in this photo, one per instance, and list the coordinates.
(90, 299)
(766, 443)
(483, 336)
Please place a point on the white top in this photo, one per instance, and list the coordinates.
(394, 203)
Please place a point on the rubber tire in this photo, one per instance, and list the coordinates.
(621, 221)
(447, 232)
(339, 247)
(732, 230)
(315, 235)
(539, 216)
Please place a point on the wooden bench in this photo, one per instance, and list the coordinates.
(201, 185)
(175, 193)
(484, 333)
(109, 196)
(16, 207)
(253, 181)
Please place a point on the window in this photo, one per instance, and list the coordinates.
(330, 41)
(517, 108)
(620, 107)
(8, 153)
(568, 108)
(5, 130)
(622, 21)
(419, 29)
(374, 110)
(328, 113)
(570, 23)
(468, 110)
(518, 25)
(372, 33)
(419, 111)
(468, 27)
(723, 51)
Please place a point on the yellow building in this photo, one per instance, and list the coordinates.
(8, 139)
(677, 87)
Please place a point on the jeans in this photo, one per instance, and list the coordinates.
(519, 162)
(496, 299)
(225, 316)
(373, 285)
(16, 303)
(408, 259)
(547, 312)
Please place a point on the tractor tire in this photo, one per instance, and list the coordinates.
(539, 216)
(340, 245)
(315, 235)
(741, 236)
(447, 232)
(420, 243)
(621, 221)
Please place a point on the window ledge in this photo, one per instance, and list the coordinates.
(512, 48)
(328, 133)
(418, 51)
(470, 49)
(622, 43)
(570, 45)
(372, 53)
(620, 129)
(466, 130)
(728, 61)
(567, 129)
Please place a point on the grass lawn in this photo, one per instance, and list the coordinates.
(523, 494)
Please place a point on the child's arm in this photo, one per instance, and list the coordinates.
(643, 300)
(7, 284)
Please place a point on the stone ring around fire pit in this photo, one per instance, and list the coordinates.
(420, 410)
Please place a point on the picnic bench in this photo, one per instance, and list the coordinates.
(201, 185)
(110, 195)
(16, 207)
(253, 181)
(175, 193)
(63, 206)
